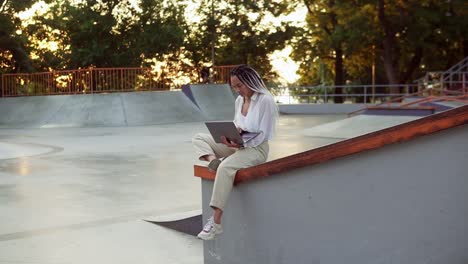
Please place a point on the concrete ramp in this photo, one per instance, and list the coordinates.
(101, 110)
(216, 101)
(29, 112)
(356, 126)
(89, 110)
(147, 108)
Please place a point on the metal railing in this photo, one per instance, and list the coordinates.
(428, 95)
(461, 66)
(83, 81)
(455, 78)
(347, 93)
(221, 74)
(97, 80)
(444, 80)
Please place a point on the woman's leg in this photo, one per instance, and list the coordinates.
(207, 149)
(226, 173)
(223, 184)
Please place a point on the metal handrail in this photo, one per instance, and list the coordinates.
(437, 98)
(429, 98)
(463, 63)
(398, 99)
(321, 94)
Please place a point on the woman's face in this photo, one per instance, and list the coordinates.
(241, 88)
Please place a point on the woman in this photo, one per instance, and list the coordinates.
(255, 111)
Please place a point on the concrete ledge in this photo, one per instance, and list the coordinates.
(405, 204)
(396, 134)
(361, 202)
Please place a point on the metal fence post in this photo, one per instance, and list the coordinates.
(463, 82)
(91, 79)
(365, 95)
(325, 99)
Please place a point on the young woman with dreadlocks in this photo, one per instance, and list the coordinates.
(255, 111)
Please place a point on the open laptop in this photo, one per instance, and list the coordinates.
(229, 130)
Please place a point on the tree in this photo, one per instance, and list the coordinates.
(326, 38)
(405, 37)
(420, 33)
(239, 34)
(12, 45)
(112, 33)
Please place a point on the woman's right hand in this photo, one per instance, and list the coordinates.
(229, 143)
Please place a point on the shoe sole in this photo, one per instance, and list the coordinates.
(206, 238)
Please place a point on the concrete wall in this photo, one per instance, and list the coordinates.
(207, 102)
(403, 203)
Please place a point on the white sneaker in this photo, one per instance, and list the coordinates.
(210, 230)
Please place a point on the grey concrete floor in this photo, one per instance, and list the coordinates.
(79, 195)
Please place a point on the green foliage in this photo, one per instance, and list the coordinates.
(235, 29)
(12, 45)
(110, 33)
(414, 36)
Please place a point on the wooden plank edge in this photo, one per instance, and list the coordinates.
(203, 172)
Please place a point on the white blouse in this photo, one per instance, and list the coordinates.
(261, 117)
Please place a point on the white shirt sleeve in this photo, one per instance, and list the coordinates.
(267, 112)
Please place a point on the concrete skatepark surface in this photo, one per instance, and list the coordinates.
(79, 192)
(79, 175)
(86, 202)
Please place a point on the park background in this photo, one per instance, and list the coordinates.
(291, 43)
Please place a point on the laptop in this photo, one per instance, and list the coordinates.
(229, 130)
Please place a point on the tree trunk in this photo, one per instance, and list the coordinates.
(389, 48)
(465, 48)
(339, 78)
(412, 66)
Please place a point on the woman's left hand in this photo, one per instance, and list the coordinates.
(229, 143)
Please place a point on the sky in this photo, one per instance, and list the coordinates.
(280, 60)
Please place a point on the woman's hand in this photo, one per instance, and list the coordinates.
(229, 143)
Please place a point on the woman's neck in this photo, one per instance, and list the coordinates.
(248, 96)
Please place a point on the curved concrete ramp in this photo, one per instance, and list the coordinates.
(87, 110)
(216, 101)
(97, 110)
(29, 112)
(159, 108)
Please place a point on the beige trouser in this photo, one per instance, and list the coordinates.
(234, 160)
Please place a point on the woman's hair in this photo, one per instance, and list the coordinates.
(248, 76)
